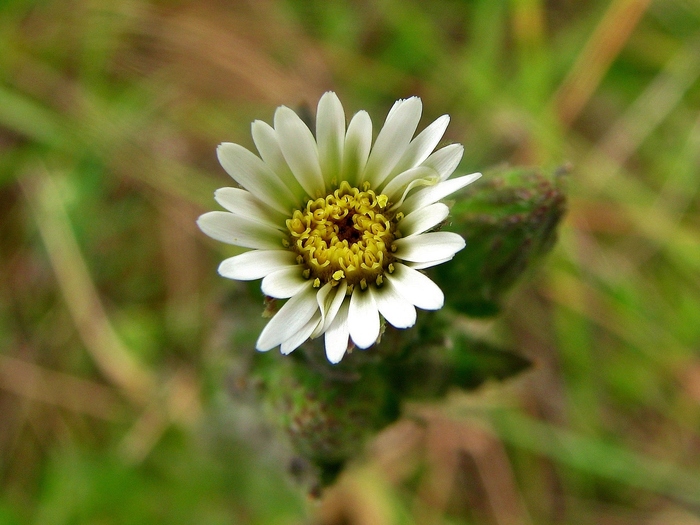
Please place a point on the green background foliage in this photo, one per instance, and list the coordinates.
(125, 395)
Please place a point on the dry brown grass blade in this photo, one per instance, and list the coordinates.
(606, 42)
(213, 50)
(497, 476)
(56, 388)
(78, 290)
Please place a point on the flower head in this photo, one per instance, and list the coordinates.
(338, 226)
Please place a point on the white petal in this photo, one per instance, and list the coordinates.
(335, 305)
(423, 219)
(242, 203)
(324, 297)
(248, 170)
(300, 151)
(416, 287)
(267, 142)
(284, 283)
(294, 342)
(393, 139)
(291, 318)
(338, 334)
(330, 135)
(445, 160)
(434, 193)
(363, 318)
(358, 142)
(329, 299)
(409, 179)
(421, 146)
(256, 264)
(226, 227)
(429, 264)
(393, 306)
(428, 246)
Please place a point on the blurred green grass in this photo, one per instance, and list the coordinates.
(123, 391)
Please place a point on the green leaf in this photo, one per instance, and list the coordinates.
(431, 369)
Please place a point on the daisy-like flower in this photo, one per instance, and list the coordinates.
(338, 226)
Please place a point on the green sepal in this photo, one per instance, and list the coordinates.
(328, 411)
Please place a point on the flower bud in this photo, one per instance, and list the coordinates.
(509, 220)
(329, 411)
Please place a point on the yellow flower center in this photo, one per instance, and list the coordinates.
(346, 235)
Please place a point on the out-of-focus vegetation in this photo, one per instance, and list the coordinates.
(123, 392)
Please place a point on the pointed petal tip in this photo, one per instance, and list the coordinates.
(265, 345)
(334, 358)
(284, 111)
(222, 147)
(257, 123)
(286, 349)
(441, 123)
(205, 219)
(414, 102)
(413, 99)
(329, 95)
(466, 180)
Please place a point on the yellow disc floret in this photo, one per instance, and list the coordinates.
(346, 235)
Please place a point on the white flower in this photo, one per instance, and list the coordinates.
(336, 225)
